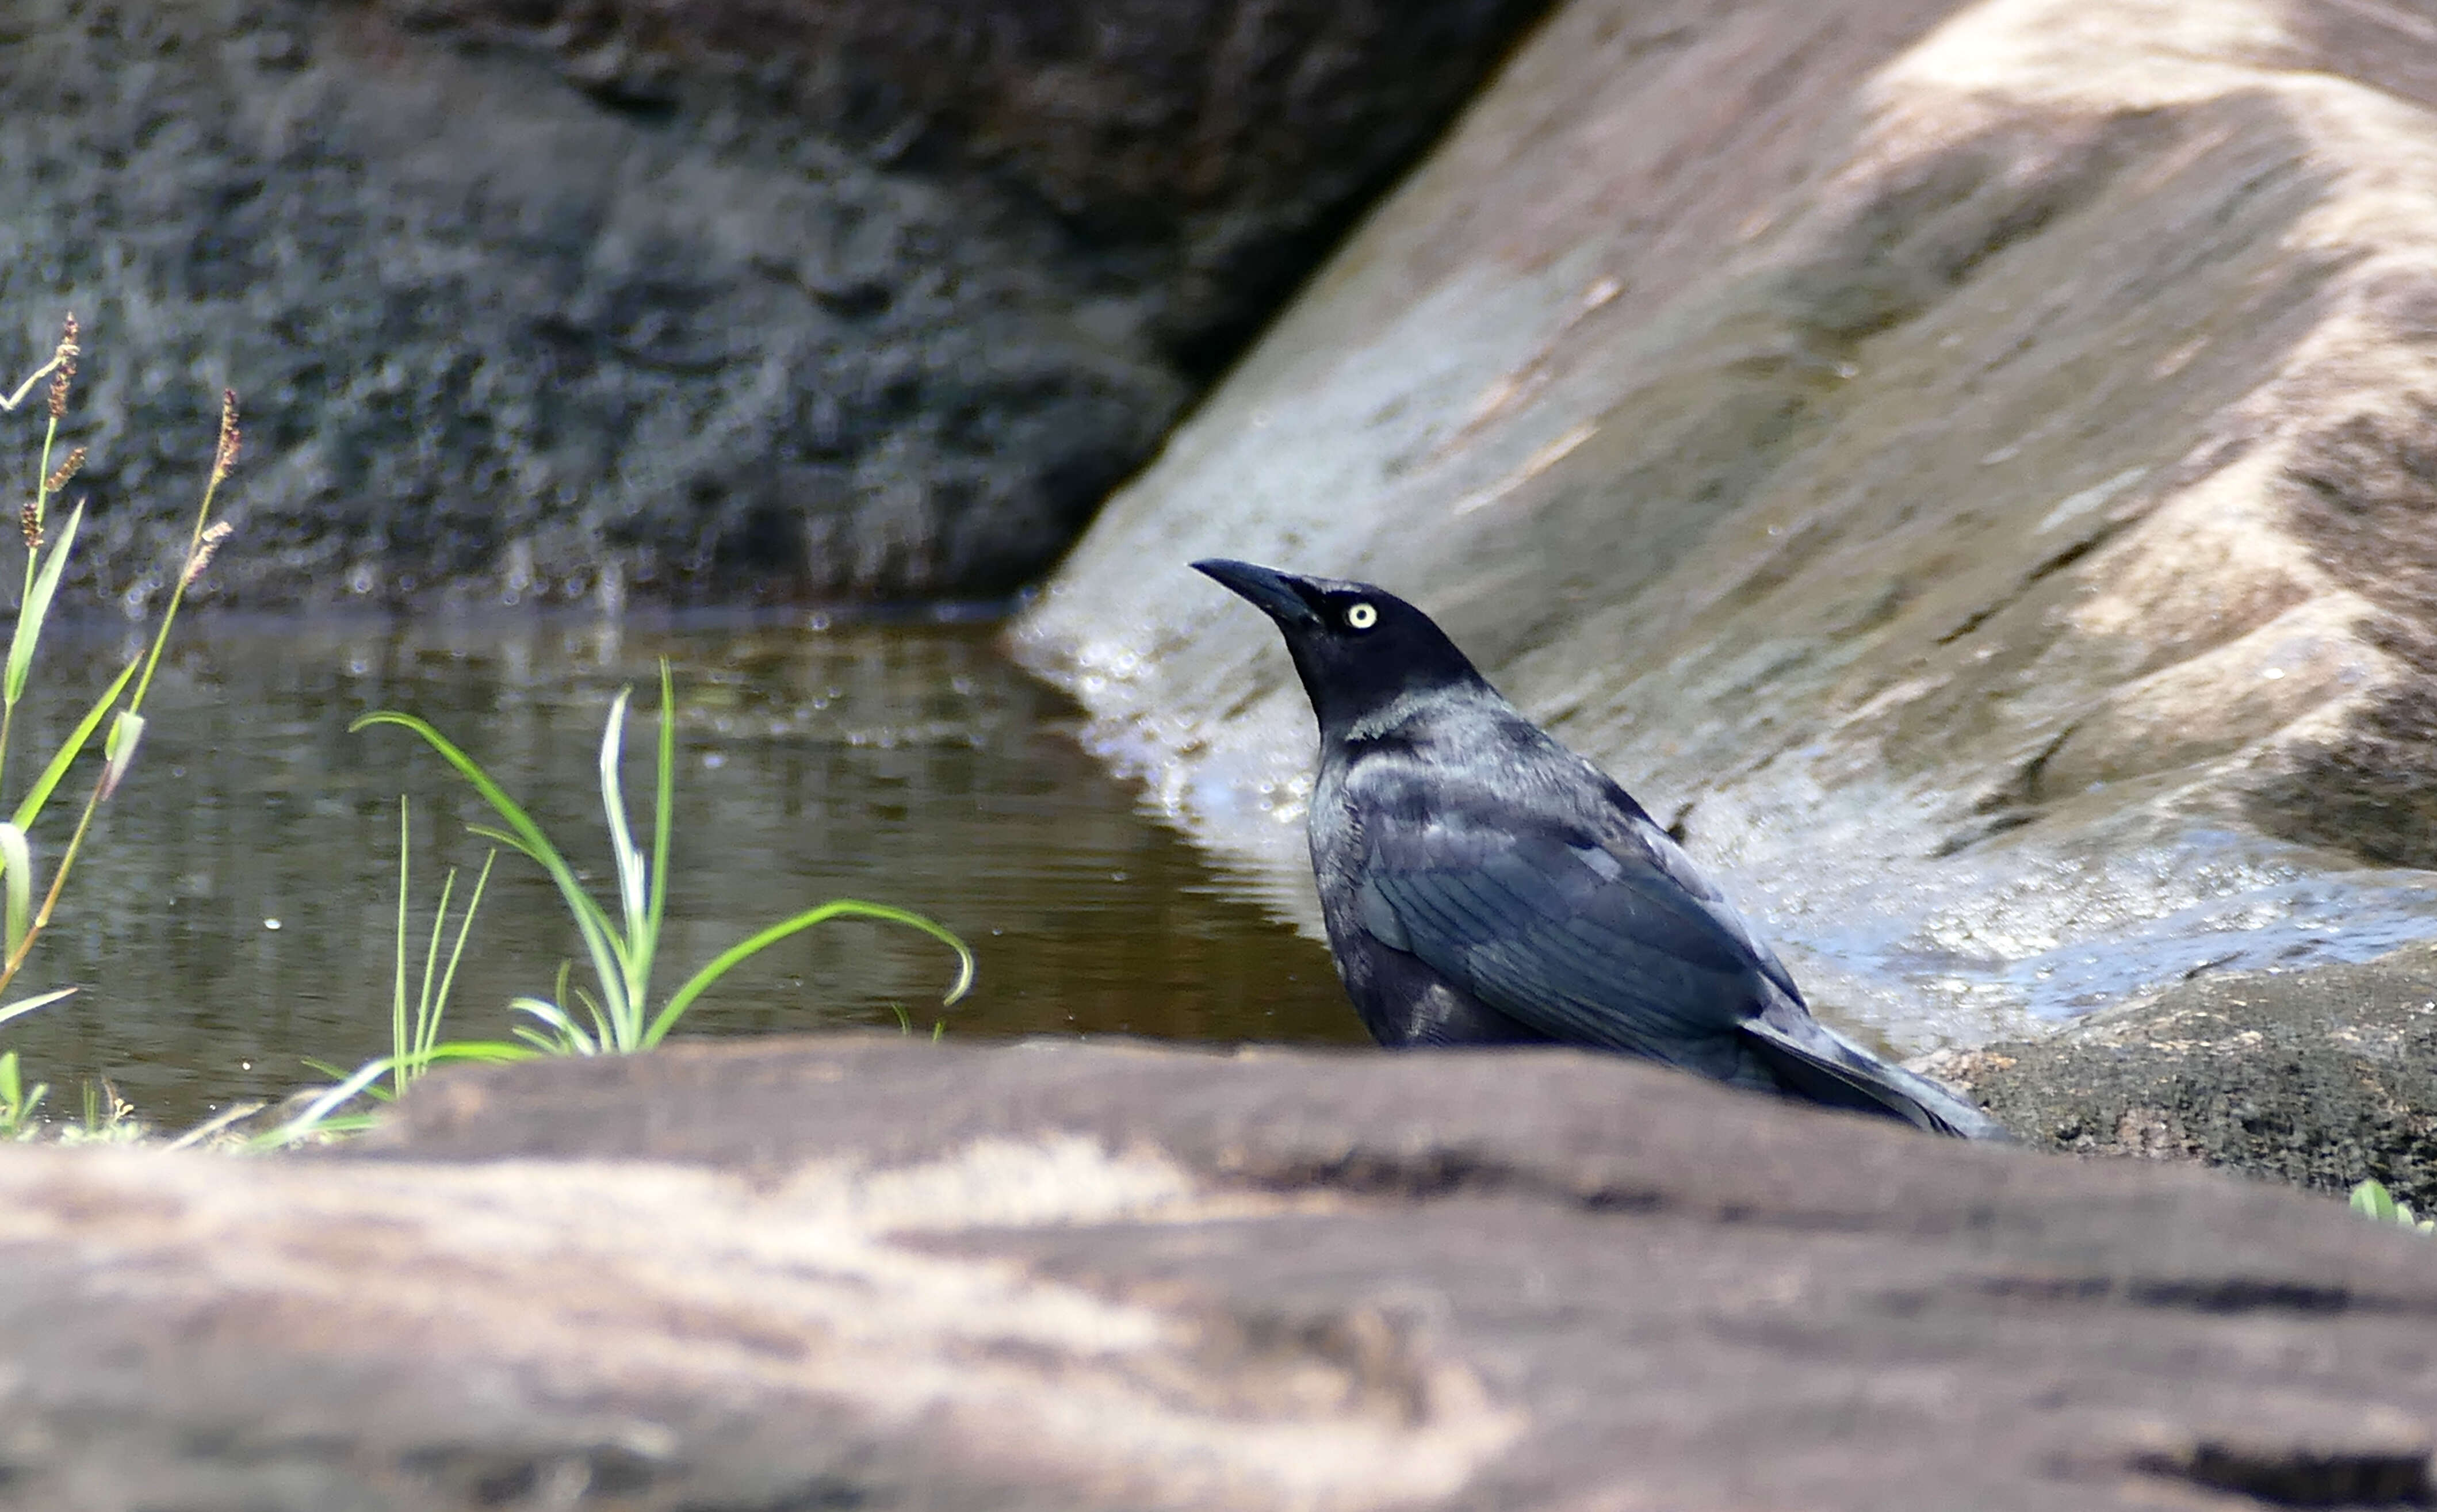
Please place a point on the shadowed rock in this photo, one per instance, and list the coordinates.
(869, 1272)
(561, 302)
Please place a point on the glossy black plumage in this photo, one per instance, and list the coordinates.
(1483, 885)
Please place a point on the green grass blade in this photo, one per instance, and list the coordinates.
(457, 951)
(627, 996)
(601, 942)
(528, 834)
(839, 909)
(425, 1030)
(481, 1052)
(118, 749)
(543, 1044)
(398, 1033)
(613, 807)
(322, 1106)
(565, 1037)
(29, 808)
(604, 1033)
(26, 1005)
(2372, 1200)
(500, 837)
(17, 884)
(36, 608)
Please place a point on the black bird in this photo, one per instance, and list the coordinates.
(1482, 885)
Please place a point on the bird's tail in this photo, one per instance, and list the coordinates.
(1809, 1058)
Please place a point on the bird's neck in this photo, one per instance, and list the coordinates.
(1414, 716)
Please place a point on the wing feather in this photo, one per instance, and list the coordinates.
(1578, 929)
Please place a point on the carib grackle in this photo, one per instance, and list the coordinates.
(1482, 885)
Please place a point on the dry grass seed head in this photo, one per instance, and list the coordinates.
(64, 375)
(65, 470)
(231, 437)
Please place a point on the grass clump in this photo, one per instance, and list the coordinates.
(615, 1013)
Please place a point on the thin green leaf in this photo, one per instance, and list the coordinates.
(482, 1052)
(427, 1028)
(565, 1037)
(613, 806)
(398, 1033)
(546, 1045)
(2372, 1200)
(605, 1029)
(30, 807)
(457, 951)
(16, 884)
(126, 733)
(839, 909)
(322, 1106)
(26, 1005)
(511, 841)
(36, 608)
(601, 942)
(628, 996)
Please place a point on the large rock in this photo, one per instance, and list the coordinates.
(884, 1273)
(1964, 465)
(569, 301)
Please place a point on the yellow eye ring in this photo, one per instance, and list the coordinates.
(1362, 617)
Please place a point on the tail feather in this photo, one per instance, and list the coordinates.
(1813, 1060)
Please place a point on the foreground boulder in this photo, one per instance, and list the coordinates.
(1967, 466)
(545, 301)
(872, 1273)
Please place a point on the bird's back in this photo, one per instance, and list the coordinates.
(1452, 830)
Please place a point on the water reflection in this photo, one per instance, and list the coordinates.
(235, 913)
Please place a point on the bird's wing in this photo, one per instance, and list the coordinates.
(1558, 910)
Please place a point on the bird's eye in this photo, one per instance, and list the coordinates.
(1362, 617)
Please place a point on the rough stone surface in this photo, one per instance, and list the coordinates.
(872, 1273)
(1218, 146)
(569, 301)
(2321, 1078)
(1964, 463)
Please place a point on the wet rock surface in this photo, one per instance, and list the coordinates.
(2321, 1078)
(579, 302)
(870, 1271)
(1962, 465)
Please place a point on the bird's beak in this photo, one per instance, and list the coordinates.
(1272, 592)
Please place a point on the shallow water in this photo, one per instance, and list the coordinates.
(234, 916)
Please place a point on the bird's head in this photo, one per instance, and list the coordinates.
(1359, 649)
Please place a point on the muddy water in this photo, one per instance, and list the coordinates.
(234, 916)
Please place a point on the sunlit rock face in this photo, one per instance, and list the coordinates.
(1968, 464)
(551, 302)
